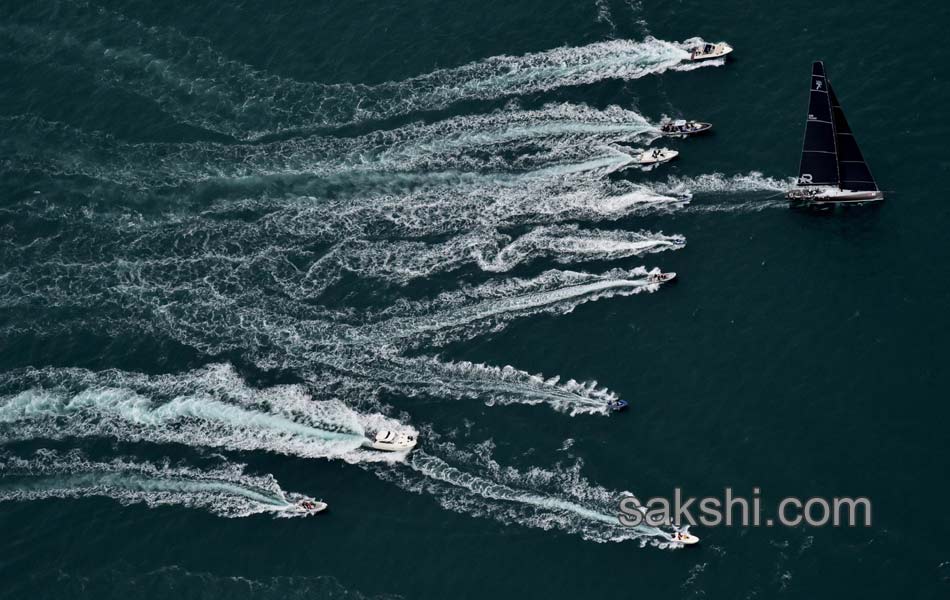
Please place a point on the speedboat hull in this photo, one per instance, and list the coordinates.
(710, 52)
(693, 128)
(655, 157)
(657, 277)
(618, 405)
(686, 539)
(310, 507)
(391, 441)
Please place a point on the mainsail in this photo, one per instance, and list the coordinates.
(819, 164)
(830, 154)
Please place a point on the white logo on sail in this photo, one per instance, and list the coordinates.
(805, 178)
(818, 84)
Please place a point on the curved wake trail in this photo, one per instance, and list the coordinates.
(736, 187)
(401, 262)
(225, 491)
(64, 403)
(558, 498)
(509, 140)
(568, 244)
(238, 252)
(364, 348)
(454, 203)
(195, 84)
(495, 386)
(464, 314)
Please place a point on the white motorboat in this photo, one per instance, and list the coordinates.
(657, 276)
(709, 51)
(388, 440)
(685, 538)
(309, 507)
(655, 156)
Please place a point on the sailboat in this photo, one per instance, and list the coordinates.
(833, 170)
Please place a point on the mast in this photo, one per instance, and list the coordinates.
(819, 164)
(853, 171)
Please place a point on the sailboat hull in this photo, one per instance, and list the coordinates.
(828, 196)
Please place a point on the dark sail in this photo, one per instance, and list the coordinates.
(819, 164)
(853, 172)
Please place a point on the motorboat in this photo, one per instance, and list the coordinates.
(618, 405)
(684, 128)
(310, 506)
(709, 51)
(388, 440)
(655, 156)
(832, 170)
(657, 276)
(685, 538)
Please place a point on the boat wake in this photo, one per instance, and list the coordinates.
(226, 491)
(473, 483)
(195, 84)
(262, 249)
(431, 377)
(469, 312)
(509, 139)
(211, 407)
(401, 262)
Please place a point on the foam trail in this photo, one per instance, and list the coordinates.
(718, 183)
(569, 244)
(603, 14)
(465, 314)
(558, 498)
(495, 386)
(225, 491)
(404, 261)
(260, 234)
(132, 407)
(224, 254)
(556, 133)
(462, 203)
(195, 84)
(736, 189)
(283, 332)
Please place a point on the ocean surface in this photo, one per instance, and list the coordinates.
(236, 238)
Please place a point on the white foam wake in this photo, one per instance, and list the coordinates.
(226, 491)
(473, 483)
(215, 409)
(404, 261)
(493, 385)
(490, 307)
(195, 84)
(736, 193)
(227, 256)
(506, 139)
(459, 203)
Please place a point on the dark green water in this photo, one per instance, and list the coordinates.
(235, 237)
